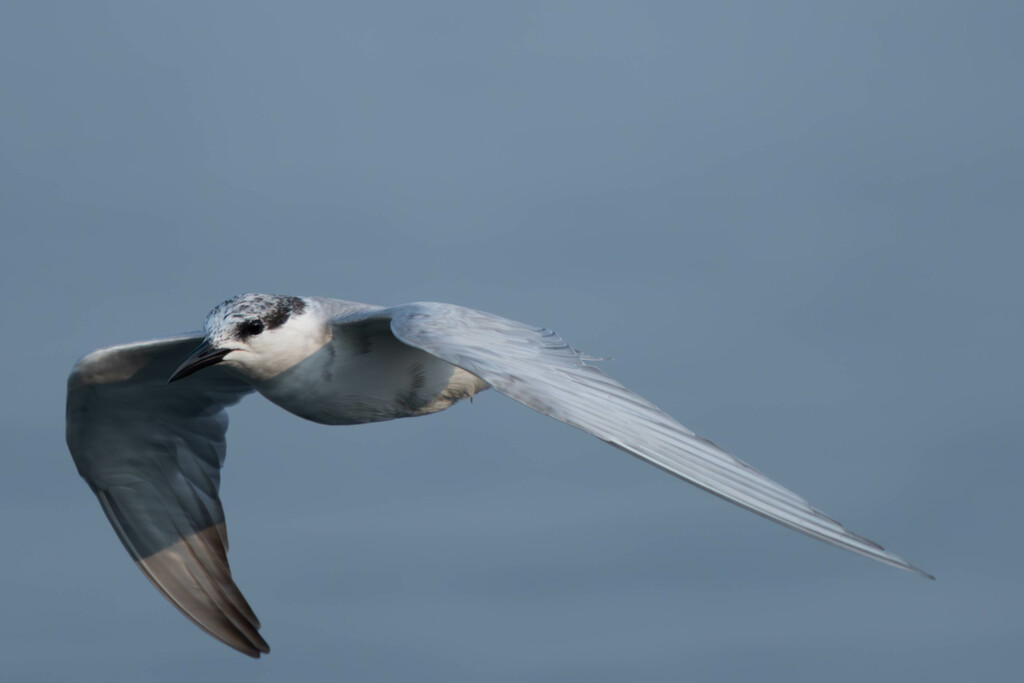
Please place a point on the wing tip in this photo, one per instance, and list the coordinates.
(916, 570)
(252, 649)
(218, 607)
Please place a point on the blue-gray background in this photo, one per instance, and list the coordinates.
(796, 227)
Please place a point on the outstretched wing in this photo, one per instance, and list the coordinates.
(152, 453)
(537, 368)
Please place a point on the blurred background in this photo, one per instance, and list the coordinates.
(797, 227)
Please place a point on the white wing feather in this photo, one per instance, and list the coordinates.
(537, 368)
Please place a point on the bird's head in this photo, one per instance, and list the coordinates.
(258, 334)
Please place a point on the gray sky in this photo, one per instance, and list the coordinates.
(796, 228)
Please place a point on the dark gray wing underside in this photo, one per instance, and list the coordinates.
(152, 453)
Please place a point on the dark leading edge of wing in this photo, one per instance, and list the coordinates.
(152, 453)
(537, 368)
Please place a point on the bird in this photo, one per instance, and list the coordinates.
(146, 422)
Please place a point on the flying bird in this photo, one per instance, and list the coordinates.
(146, 422)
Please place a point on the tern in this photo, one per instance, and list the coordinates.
(146, 422)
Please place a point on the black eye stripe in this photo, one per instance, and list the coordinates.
(252, 314)
(251, 327)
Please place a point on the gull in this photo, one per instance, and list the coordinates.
(146, 422)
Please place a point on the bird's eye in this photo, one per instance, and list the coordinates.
(251, 327)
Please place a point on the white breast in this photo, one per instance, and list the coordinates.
(368, 378)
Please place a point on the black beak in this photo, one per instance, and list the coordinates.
(203, 357)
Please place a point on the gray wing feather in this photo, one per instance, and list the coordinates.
(537, 368)
(152, 454)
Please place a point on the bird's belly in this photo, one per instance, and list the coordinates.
(339, 386)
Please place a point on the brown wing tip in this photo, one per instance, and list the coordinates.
(198, 582)
(253, 650)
